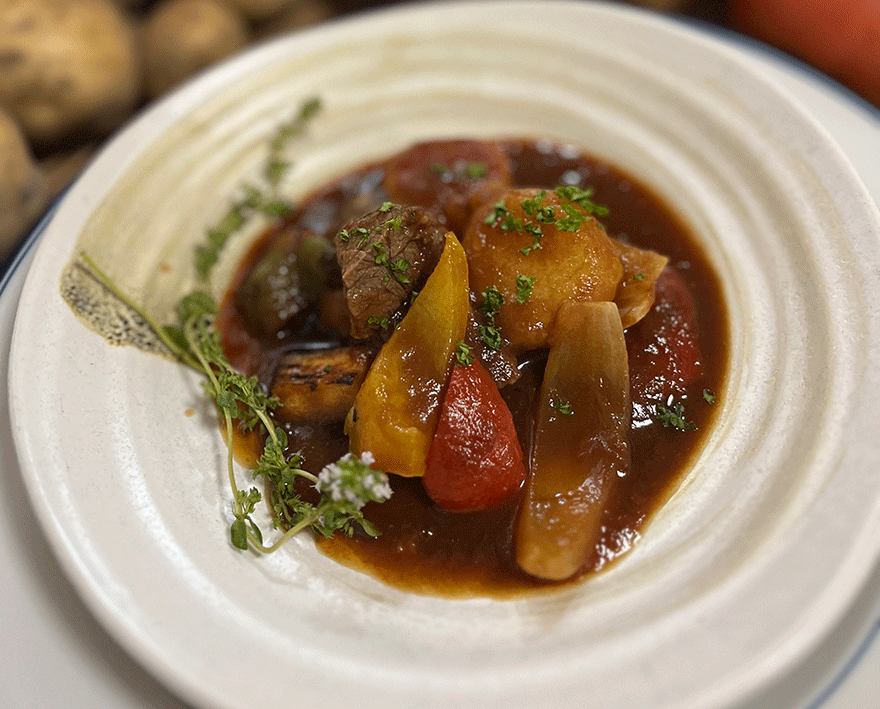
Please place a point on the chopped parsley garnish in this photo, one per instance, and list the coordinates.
(395, 223)
(639, 276)
(535, 231)
(583, 197)
(572, 220)
(562, 406)
(386, 207)
(491, 336)
(491, 303)
(533, 208)
(673, 417)
(381, 322)
(462, 171)
(364, 235)
(464, 353)
(399, 267)
(381, 256)
(524, 285)
(709, 396)
(476, 170)
(502, 219)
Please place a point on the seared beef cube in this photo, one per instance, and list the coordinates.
(384, 255)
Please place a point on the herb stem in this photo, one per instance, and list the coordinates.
(292, 532)
(230, 443)
(175, 349)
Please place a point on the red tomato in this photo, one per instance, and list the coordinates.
(475, 458)
(840, 37)
(662, 348)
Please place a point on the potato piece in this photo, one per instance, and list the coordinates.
(23, 191)
(66, 66)
(183, 37)
(537, 234)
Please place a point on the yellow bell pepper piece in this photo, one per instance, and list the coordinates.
(396, 410)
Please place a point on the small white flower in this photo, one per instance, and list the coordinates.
(351, 479)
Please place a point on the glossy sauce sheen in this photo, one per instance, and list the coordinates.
(423, 548)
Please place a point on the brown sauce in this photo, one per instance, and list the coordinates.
(426, 550)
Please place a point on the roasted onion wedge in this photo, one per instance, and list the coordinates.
(636, 292)
(580, 446)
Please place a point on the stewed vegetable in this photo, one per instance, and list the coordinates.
(519, 335)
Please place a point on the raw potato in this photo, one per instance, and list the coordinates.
(62, 168)
(66, 66)
(182, 37)
(302, 14)
(261, 9)
(22, 185)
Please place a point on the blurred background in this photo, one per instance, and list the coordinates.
(73, 71)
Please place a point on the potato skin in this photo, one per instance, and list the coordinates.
(262, 9)
(22, 185)
(569, 265)
(66, 66)
(299, 15)
(182, 37)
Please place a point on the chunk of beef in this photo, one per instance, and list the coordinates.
(450, 177)
(384, 256)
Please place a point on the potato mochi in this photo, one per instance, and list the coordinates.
(540, 249)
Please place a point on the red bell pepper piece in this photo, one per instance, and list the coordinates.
(475, 459)
(664, 354)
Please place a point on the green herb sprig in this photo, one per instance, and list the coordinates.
(254, 199)
(561, 405)
(464, 354)
(345, 486)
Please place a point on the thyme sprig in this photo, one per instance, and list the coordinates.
(345, 486)
(255, 199)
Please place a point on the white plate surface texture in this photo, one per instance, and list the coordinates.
(737, 578)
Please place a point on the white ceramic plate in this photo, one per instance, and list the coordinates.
(738, 577)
